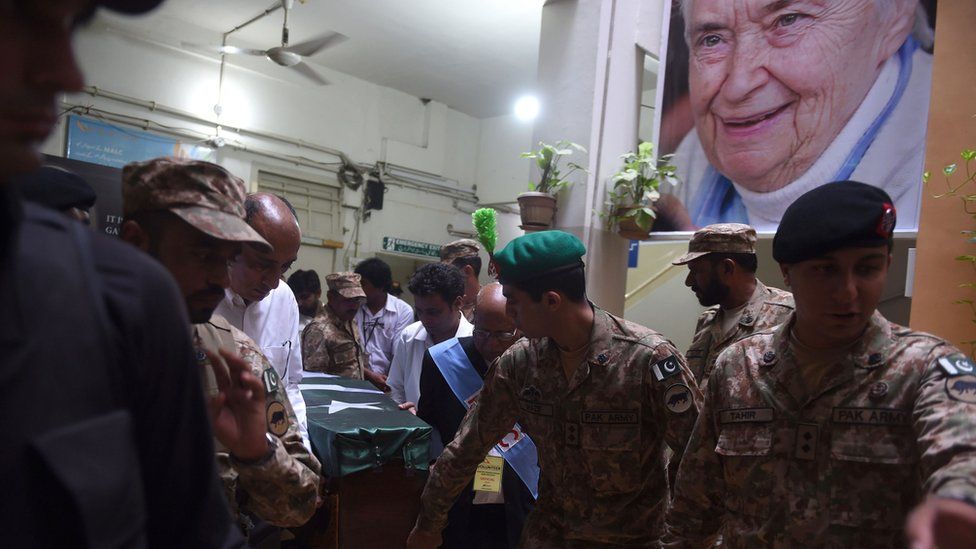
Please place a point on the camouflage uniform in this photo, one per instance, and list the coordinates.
(767, 308)
(600, 437)
(283, 489)
(332, 346)
(842, 468)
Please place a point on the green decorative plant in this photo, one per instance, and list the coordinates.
(965, 191)
(635, 188)
(486, 224)
(547, 157)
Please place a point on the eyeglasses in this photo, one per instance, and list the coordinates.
(500, 336)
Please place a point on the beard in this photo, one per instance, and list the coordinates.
(713, 293)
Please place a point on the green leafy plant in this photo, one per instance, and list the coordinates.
(636, 186)
(547, 157)
(486, 224)
(965, 191)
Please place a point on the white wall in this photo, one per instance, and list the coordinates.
(367, 122)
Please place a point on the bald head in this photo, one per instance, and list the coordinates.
(491, 323)
(256, 272)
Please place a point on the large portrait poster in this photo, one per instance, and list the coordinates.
(763, 100)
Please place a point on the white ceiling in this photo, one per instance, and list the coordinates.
(476, 56)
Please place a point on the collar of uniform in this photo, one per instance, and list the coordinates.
(333, 317)
(601, 337)
(219, 322)
(754, 305)
(870, 351)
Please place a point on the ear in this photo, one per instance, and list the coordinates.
(552, 300)
(468, 271)
(785, 269)
(134, 234)
(725, 269)
(458, 302)
(896, 27)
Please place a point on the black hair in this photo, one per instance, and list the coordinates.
(570, 282)
(438, 278)
(302, 282)
(377, 272)
(472, 260)
(749, 262)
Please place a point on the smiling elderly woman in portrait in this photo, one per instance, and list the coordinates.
(791, 94)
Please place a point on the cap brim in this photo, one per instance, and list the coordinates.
(688, 258)
(220, 225)
(352, 293)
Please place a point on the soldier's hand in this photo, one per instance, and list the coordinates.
(237, 411)
(379, 380)
(422, 539)
(410, 407)
(943, 523)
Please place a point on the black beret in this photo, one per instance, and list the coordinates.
(56, 188)
(130, 6)
(843, 214)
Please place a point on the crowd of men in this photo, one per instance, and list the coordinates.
(151, 397)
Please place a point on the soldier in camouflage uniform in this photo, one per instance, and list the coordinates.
(828, 429)
(190, 216)
(601, 398)
(463, 254)
(722, 265)
(331, 343)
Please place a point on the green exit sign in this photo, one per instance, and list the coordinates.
(412, 247)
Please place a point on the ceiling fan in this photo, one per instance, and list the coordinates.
(291, 56)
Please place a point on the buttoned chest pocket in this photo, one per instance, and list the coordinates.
(697, 358)
(345, 357)
(610, 441)
(748, 467)
(874, 475)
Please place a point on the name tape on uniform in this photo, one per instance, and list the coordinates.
(537, 408)
(663, 369)
(746, 415)
(872, 416)
(609, 417)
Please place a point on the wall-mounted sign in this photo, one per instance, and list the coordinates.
(412, 247)
(97, 142)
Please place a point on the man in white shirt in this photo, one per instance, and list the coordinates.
(382, 317)
(438, 291)
(258, 305)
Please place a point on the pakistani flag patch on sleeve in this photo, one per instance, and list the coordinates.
(663, 369)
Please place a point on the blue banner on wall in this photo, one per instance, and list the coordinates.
(98, 142)
(632, 252)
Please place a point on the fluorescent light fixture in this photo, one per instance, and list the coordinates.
(527, 108)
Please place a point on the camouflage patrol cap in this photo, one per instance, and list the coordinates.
(346, 284)
(203, 194)
(459, 248)
(727, 238)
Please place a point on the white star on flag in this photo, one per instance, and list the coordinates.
(337, 406)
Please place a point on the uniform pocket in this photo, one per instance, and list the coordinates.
(612, 451)
(748, 469)
(875, 476)
(96, 463)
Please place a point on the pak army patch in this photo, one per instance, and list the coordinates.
(678, 398)
(957, 365)
(663, 369)
(277, 418)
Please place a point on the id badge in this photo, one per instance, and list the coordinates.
(488, 478)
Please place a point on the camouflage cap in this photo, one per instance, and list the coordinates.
(346, 284)
(459, 248)
(203, 194)
(728, 238)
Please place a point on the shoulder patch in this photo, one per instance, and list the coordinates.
(962, 388)
(957, 365)
(663, 369)
(271, 380)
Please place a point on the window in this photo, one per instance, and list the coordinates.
(318, 206)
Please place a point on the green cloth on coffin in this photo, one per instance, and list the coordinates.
(354, 427)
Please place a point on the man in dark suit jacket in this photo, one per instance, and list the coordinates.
(472, 524)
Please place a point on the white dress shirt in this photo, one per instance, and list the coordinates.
(408, 360)
(273, 324)
(379, 331)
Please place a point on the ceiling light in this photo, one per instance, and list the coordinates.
(527, 108)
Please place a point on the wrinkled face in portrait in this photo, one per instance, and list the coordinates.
(37, 63)
(344, 307)
(772, 83)
(837, 293)
(703, 279)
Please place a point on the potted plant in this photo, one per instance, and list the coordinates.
(538, 206)
(635, 191)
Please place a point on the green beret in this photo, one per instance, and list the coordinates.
(843, 214)
(537, 254)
